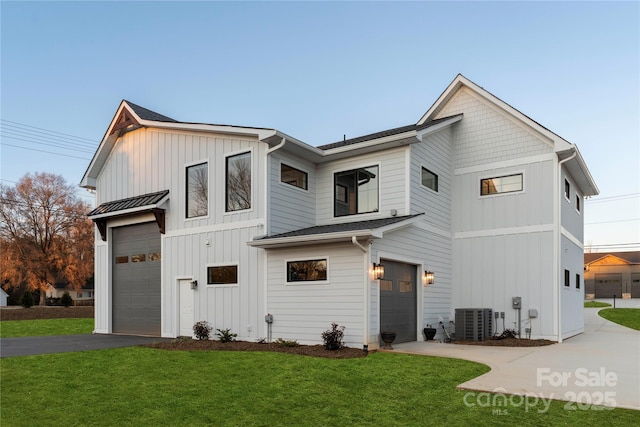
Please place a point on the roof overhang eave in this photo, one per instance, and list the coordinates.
(314, 239)
(131, 211)
(579, 171)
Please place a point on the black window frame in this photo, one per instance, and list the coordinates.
(211, 277)
(567, 190)
(347, 199)
(497, 192)
(435, 179)
(189, 192)
(305, 175)
(567, 276)
(229, 203)
(577, 281)
(291, 278)
(578, 204)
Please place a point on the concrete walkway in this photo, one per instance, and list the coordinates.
(599, 366)
(26, 346)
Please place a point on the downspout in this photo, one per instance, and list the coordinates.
(558, 246)
(366, 284)
(267, 209)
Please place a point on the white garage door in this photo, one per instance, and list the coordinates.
(136, 280)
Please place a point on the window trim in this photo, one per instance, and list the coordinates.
(288, 185)
(227, 156)
(223, 285)
(567, 190)
(567, 279)
(350, 169)
(424, 169)
(186, 188)
(306, 282)
(578, 281)
(505, 175)
(578, 203)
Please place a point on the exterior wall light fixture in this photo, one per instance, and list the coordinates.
(378, 271)
(429, 277)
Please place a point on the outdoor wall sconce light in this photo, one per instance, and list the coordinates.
(428, 277)
(378, 271)
(194, 284)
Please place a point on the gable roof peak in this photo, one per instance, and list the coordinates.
(146, 114)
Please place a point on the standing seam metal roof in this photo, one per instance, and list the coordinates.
(129, 203)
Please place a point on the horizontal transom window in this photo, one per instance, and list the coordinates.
(307, 271)
(292, 176)
(222, 275)
(501, 184)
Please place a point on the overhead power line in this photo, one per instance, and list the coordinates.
(44, 151)
(613, 198)
(46, 132)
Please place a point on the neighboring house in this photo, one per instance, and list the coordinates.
(84, 296)
(474, 204)
(3, 298)
(612, 273)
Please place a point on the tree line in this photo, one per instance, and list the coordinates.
(45, 236)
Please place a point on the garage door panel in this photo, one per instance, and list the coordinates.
(136, 283)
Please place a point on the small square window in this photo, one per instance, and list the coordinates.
(567, 190)
(292, 176)
(222, 275)
(429, 179)
(566, 278)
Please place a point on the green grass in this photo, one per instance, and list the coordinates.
(148, 387)
(595, 304)
(42, 327)
(629, 317)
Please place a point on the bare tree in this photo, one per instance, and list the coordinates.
(45, 233)
(198, 189)
(239, 182)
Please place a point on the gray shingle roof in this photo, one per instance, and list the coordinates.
(146, 114)
(343, 227)
(129, 203)
(382, 134)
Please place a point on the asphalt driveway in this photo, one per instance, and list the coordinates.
(26, 346)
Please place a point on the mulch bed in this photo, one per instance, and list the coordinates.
(304, 350)
(46, 312)
(507, 342)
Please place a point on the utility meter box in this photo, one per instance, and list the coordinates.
(268, 318)
(516, 302)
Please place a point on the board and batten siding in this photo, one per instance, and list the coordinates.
(302, 311)
(150, 160)
(427, 250)
(393, 187)
(487, 134)
(290, 208)
(236, 307)
(102, 297)
(572, 219)
(571, 298)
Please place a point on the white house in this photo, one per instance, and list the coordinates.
(3, 298)
(228, 224)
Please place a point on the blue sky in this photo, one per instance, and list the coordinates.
(318, 71)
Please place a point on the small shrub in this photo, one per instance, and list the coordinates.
(202, 330)
(262, 341)
(507, 333)
(66, 299)
(225, 335)
(287, 343)
(27, 299)
(333, 337)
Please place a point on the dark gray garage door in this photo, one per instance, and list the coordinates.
(608, 285)
(136, 280)
(398, 300)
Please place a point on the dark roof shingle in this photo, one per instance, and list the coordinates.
(146, 114)
(129, 203)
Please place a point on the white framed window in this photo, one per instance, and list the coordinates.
(222, 274)
(502, 184)
(238, 182)
(429, 179)
(567, 190)
(578, 202)
(197, 190)
(307, 271)
(295, 177)
(567, 276)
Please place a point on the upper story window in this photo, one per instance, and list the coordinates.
(238, 182)
(567, 190)
(429, 179)
(356, 191)
(566, 278)
(577, 202)
(501, 184)
(577, 281)
(307, 271)
(292, 176)
(197, 190)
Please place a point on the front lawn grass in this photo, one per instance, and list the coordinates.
(629, 317)
(595, 304)
(42, 327)
(143, 386)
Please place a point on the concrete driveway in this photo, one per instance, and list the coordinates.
(26, 346)
(600, 366)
